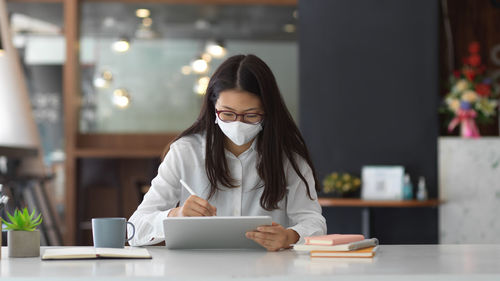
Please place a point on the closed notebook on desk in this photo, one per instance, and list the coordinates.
(363, 253)
(95, 253)
(338, 248)
(333, 239)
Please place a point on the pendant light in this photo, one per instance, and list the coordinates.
(18, 132)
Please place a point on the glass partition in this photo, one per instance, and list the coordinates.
(37, 30)
(145, 66)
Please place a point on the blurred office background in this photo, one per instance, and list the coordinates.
(112, 83)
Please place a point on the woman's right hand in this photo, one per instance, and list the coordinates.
(194, 207)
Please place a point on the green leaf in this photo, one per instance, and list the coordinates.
(11, 218)
(31, 215)
(23, 220)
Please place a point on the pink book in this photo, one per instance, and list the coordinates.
(333, 239)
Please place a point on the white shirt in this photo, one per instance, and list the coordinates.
(186, 160)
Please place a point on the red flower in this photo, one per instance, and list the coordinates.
(474, 47)
(475, 60)
(483, 90)
(456, 73)
(470, 74)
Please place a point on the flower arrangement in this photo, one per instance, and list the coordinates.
(340, 183)
(22, 220)
(472, 95)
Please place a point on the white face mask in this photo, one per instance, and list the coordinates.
(238, 132)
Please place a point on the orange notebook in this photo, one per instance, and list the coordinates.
(363, 253)
(333, 239)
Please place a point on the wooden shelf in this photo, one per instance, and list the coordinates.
(205, 2)
(122, 145)
(348, 202)
(118, 153)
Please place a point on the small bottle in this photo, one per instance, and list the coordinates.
(407, 188)
(422, 191)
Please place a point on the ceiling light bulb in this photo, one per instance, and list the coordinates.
(121, 46)
(216, 49)
(121, 98)
(104, 80)
(142, 13)
(199, 65)
(206, 57)
(201, 85)
(204, 80)
(121, 101)
(107, 75)
(100, 83)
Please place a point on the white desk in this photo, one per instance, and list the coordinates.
(409, 262)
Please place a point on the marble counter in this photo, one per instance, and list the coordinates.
(469, 182)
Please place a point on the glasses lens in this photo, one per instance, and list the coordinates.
(252, 118)
(227, 116)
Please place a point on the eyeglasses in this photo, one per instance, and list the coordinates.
(230, 116)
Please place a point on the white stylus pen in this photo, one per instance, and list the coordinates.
(188, 188)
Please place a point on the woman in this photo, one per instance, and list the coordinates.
(244, 156)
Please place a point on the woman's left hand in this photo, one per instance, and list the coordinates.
(273, 237)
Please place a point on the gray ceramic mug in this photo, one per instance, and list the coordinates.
(110, 232)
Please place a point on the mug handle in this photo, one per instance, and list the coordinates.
(133, 231)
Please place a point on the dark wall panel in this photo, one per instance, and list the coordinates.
(405, 226)
(369, 85)
(343, 220)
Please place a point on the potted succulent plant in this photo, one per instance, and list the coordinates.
(23, 239)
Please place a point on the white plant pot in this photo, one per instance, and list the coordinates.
(23, 244)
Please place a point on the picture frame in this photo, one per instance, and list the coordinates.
(382, 182)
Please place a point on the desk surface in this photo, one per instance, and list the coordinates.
(393, 262)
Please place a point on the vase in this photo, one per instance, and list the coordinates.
(469, 129)
(23, 244)
(466, 119)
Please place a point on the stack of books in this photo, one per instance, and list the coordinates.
(339, 246)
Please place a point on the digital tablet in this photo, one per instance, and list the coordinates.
(212, 232)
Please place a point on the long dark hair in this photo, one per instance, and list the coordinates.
(278, 139)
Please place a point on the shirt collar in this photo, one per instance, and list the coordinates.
(254, 144)
(252, 148)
